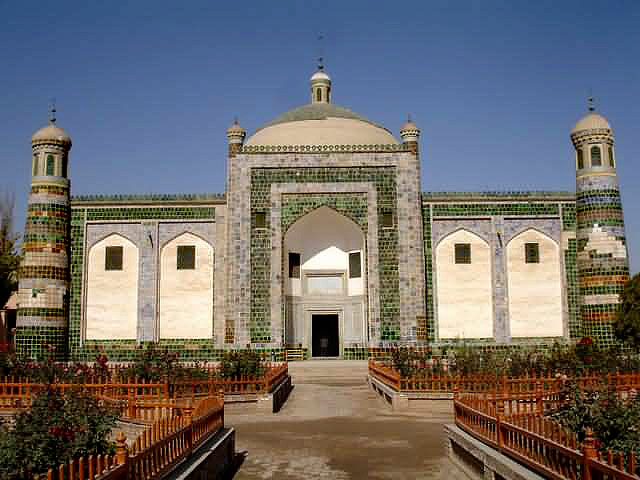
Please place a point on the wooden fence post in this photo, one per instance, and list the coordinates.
(588, 452)
(122, 453)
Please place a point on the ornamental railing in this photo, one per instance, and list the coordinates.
(159, 448)
(18, 393)
(428, 382)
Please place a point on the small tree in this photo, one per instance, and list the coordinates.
(627, 325)
(9, 257)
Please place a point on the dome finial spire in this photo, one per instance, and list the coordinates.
(590, 103)
(52, 112)
(321, 56)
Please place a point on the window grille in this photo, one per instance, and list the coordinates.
(186, 257)
(463, 253)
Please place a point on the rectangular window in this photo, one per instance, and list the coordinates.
(531, 253)
(294, 265)
(50, 164)
(260, 220)
(596, 157)
(580, 159)
(186, 258)
(35, 165)
(355, 265)
(463, 252)
(65, 161)
(612, 162)
(113, 258)
(387, 219)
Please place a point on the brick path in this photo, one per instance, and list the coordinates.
(334, 427)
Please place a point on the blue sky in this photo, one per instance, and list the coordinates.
(147, 89)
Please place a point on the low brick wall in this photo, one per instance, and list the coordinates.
(400, 401)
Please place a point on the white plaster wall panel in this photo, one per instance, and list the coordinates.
(464, 297)
(112, 296)
(355, 286)
(186, 296)
(535, 289)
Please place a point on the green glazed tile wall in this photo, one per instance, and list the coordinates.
(384, 180)
(491, 209)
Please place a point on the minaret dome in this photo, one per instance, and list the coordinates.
(593, 140)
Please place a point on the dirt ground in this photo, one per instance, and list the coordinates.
(333, 426)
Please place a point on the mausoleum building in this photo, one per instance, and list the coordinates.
(324, 240)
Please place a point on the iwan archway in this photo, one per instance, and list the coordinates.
(324, 283)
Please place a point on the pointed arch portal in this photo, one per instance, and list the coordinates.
(325, 282)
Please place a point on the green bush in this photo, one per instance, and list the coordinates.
(244, 363)
(55, 430)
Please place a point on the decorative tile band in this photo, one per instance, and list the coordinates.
(389, 148)
(58, 273)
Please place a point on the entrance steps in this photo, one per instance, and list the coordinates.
(329, 372)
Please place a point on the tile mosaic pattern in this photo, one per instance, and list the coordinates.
(429, 333)
(601, 274)
(43, 289)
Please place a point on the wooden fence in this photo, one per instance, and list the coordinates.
(165, 443)
(534, 383)
(514, 425)
(17, 393)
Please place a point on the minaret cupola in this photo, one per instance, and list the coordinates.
(50, 147)
(593, 140)
(410, 134)
(320, 85)
(235, 135)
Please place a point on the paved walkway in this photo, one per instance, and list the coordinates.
(334, 427)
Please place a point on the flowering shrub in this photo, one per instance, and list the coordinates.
(157, 364)
(613, 418)
(45, 370)
(55, 430)
(572, 360)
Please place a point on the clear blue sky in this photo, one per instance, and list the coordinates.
(147, 89)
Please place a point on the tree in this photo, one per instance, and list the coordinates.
(9, 256)
(627, 325)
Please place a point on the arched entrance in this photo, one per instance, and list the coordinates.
(324, 283)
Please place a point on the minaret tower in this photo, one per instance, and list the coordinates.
(43, 289)
(602, 260)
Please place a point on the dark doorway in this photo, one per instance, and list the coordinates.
(324, 336)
